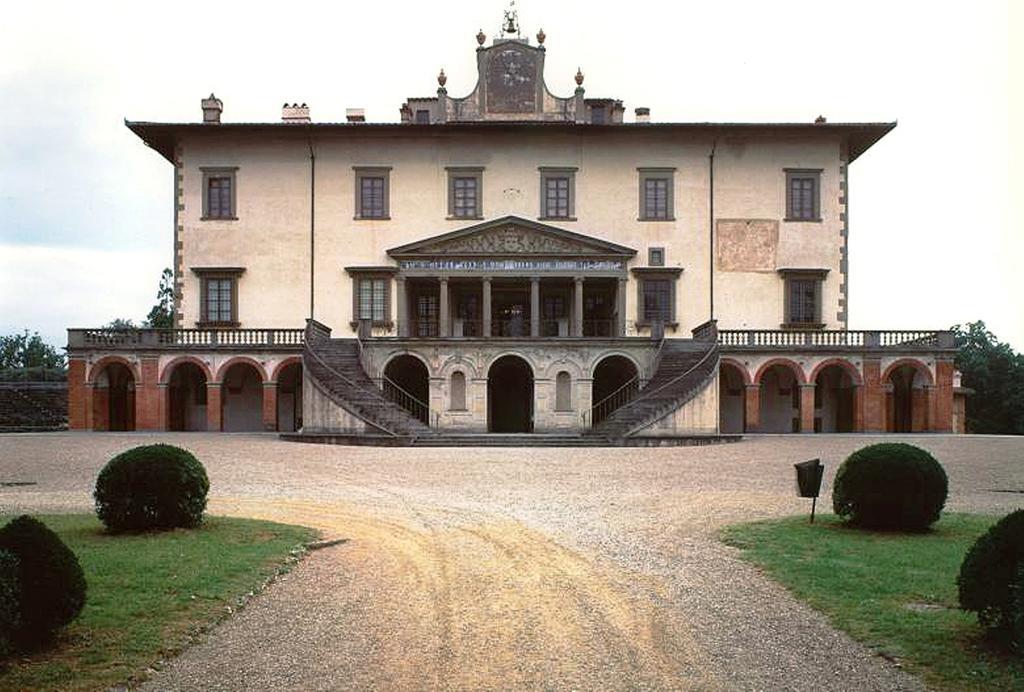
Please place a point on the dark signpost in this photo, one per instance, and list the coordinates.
(808, 481)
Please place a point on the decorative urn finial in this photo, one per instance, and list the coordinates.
(541, 36)
(481, 37)
(579, 77)
(442, 78)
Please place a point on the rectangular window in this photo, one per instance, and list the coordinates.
(464, 192)
(597, 115)
(657, 300)
(422, 117)
(803, 201)
(656, 194)
(803, 301)
(373, 300)
(656, 257)
(557, 193)
(218, 193)
(372, 193)
(219, 300)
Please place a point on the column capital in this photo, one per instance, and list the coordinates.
(486, 278)
(215, 385)
(534, 279)
(400, 278)
(752, 385)
(578, 279)
(808, 385)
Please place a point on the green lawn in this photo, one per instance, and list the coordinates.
(148, 593)
(894, 592)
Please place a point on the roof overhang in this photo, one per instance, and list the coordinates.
(163, 137)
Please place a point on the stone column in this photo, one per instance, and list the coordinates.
(535, 306)
(213, 406)
(807, 408)
(577, 317)
(874, 396)
(269, 406)
(620, 307)
(752, 408)
(147, 397)
(79, 395)
(402, 307)
(487, 306)
(445, 328)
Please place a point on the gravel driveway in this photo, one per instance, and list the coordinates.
(515, 568)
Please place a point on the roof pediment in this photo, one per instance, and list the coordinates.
(512, 236)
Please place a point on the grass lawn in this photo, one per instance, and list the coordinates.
(148, 593)
(894, 592)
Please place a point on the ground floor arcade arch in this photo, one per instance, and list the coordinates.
(186, 397)
(510, 396)
(615, 382)
(113, 397)
(241, 398)
(407, 383)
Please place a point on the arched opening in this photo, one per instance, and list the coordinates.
(780, 400)
(731, 399)
(458, 391)
(510, 396)
(563, 391)
(241, 397)
(833, 400)
(907, 400)
(407, 383)
(289, 398)
(113, 398)
(186, 398)
(616, 381)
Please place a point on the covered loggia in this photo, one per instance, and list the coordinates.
(186, 397)
(510, 396)
(407, 383)
(780, 399)
(113, 398)
(909, 387)
(289, 397)
(731, 399)
(834, 394)
(241, 396)
(615, 382)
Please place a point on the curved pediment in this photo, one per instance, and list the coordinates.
(512, 236)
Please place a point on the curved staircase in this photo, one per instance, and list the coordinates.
(684, 368)
(336, 369)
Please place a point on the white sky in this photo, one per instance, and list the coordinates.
(936, 235)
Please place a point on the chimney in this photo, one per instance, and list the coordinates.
(355, 115)
(643, 115)
(295, 113)
(212, 108)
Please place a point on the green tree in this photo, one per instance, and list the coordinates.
(162, 314)
(996, 374)
(28, 351)
(120, 323)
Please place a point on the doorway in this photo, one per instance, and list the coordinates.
(510, 396)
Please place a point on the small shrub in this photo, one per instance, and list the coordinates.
(151, 487)
(991, 580)
(890, 486)
(51, 583)
(10, 601)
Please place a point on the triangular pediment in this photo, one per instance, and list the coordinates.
(512, 236)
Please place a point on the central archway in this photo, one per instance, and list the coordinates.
(510, 396)
(407, 383)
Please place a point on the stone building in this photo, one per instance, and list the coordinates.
(510, 260)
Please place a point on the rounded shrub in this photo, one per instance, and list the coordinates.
(890, 486)
(991, 580)
(50, 582)
(10, 601)
(151, 487)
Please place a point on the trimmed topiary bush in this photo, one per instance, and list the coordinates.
(49, 578)
(890, 486)
(151, 487)
(991, 580)
(10, 601)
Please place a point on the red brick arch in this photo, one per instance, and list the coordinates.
(242, 359)
(165, 375)
(291, 360)
(846, 365)
(103, 362)
(798, 372)
(913, 362)
(744, 373)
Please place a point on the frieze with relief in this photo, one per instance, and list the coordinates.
(510, 240)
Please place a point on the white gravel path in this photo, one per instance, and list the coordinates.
(515, 568)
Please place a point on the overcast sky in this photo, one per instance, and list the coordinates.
(936, 232)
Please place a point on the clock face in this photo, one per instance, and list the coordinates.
(511, 81)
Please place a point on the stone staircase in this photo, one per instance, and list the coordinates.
(33, 406)
(336, 367)
(684, 367)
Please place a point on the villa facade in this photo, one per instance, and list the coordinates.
(511, 260)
